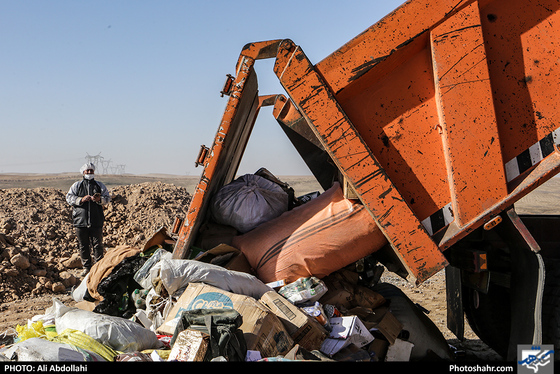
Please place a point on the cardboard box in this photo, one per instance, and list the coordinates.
(380, 319)
(389, 326)
(378, 348)
(401, 350)
(262, 329)
(339, 293)
(350, 328)
(190, 345)
(303, 329)
(345, 331)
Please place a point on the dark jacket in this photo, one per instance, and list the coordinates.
(90, 213)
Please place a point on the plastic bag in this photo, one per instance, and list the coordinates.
(314, 239)
(247, 202)
(177, 274)
(38, 349)
(225, 338)
(119, 333)
(143, 276)
(79, 292)
(31, 330)
(303, 290)
(83, 341)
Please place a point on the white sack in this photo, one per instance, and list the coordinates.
(119, 333)
(247, 202)
(80, 291)
(38, 349)
(177, 274)
(144, 275)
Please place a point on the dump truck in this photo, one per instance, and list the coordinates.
(438, 119)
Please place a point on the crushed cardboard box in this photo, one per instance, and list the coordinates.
(380, 319)
(345, 331)
(304, 329)
(190, 345)
(262, 329)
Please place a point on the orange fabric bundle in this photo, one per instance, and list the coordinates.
(315, 239)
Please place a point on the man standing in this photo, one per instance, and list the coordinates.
(87, 198)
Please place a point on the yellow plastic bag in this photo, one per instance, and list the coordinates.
(31, 330)
(84, 341)
(50, 331)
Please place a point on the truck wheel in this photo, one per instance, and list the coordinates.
(551, 303)
(489, 316)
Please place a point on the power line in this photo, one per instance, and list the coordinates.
(106, 165)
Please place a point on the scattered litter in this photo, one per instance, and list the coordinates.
(226, 304)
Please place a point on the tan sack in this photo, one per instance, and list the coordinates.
(314, 239)
(105, 266)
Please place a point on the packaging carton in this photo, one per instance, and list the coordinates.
(191, 345)
(303, 329)
(401, 350)
(380, 319)
(345, 331)
(263, 331)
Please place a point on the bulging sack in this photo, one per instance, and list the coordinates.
(118, 333)
(176, 275)
(247, 202)
(314, 239)
(39, 349)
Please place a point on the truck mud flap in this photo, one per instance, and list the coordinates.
(527, 283)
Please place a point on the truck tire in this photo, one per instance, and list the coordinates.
(551, 304)
(489, 316)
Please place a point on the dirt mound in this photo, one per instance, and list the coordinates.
(38, 246)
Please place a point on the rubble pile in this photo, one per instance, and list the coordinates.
(38, 246)
(322, 301)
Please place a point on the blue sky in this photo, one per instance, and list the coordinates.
(138, 82)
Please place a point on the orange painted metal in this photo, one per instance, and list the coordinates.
(440, 116)
(355, 160)
(222, 159)
(462, 81)
(457, 101)
(224, 156)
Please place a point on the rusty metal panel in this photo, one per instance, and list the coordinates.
(354, 159)
(383, 42)
(224, 156)
(470, 137)
(456, 156)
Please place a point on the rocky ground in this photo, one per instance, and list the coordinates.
(38, 246)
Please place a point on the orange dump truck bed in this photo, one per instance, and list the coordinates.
(438, 118)
(453, 102)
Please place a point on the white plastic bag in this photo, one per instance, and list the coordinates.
(247, 202)
(157, 308)
(119, 333)
(177, 274)
(38, 349)
(79, 292)
(144, 275)
(305, 289)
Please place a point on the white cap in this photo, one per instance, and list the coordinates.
(87, 166)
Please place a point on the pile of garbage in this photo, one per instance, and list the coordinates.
(242, 299)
